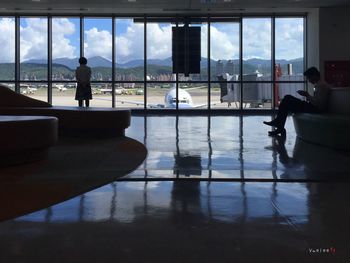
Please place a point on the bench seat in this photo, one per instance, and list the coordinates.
(83, 122)
(97, 122)
(331, 129)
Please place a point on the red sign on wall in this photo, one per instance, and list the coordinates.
(337, 73)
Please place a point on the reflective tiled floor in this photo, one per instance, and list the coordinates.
(289, 203)
(230, 147)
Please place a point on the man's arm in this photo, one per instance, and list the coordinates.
(304, 94)
(320, 98)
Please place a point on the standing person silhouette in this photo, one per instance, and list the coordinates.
(83, 76)
(317, 103)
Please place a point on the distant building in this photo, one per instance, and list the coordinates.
(219, 68)
(229, 67)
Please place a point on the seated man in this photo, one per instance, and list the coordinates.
(313, 104)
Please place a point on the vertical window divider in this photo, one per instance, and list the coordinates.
(113, 61)
(145, 62)
(208, 63)
(17, 54)
(81, 36)
(273, 61)
(177, 66)
(241, 61)
(305, 48)
(49, 59)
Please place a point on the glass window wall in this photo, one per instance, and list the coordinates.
(236, 56)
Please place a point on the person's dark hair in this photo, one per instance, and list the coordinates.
(83, 61)
(312, 72)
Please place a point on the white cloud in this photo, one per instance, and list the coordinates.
(61, 45)
(224, 42)
(7, 40)
(289, 38)
(98, 43)
(159, 40)
(34, 39)
(129, 44)
(257, 38)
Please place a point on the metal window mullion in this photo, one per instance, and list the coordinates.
(241, 61)
(208, 64)
(17, 54)
(81, 36)
(113, 61)
(49, 59)
(273, 62)
(145, 63)
(177, 63)
(305, 49)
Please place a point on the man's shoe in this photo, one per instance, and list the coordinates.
(273, 123)
(277, 132)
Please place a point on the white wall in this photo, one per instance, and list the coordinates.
(313, 55)
(334, 34)
(313, 42)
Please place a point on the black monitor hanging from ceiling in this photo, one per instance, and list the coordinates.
(186, 48)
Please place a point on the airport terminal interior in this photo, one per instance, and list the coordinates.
(171, 161)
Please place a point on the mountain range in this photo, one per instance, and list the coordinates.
(98, 61)
(65, 68)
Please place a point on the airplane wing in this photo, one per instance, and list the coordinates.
(194, 88)
(138, 103)
(205, 105)
(130, 102)
(155, 106)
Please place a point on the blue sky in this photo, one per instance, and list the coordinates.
(122, 25)
(129, 39)
(75, 37)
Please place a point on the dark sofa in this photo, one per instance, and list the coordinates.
(331, 129)
(97, 122)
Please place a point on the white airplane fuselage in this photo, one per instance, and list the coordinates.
(185, 99)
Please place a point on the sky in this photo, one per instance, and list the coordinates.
(129, 39)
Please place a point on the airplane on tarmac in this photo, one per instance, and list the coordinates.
(27, 89)
(185, 100)
(60, 87)
(117, 91)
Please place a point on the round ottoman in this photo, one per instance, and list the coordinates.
(26, 138)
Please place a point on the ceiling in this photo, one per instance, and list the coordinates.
(163, 6)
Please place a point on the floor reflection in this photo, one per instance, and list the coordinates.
(228, 148)
(211, 187)
(147, 221)
(231, 202)
(231, 147)
(288, 216)
(74, 166)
